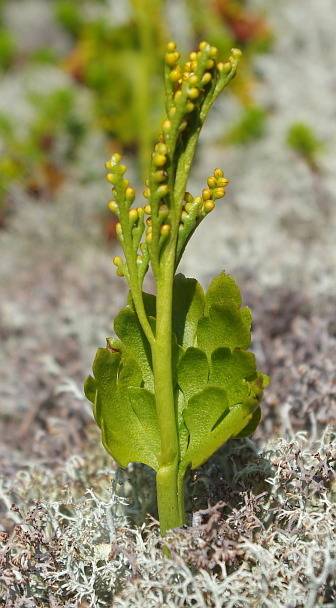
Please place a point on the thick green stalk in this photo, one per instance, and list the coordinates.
(169, 505)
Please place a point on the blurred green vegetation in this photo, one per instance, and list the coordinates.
(250, 126)
(31, 156)
(302, 139)
(120, 61)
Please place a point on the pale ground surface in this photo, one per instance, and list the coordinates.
(58, 294)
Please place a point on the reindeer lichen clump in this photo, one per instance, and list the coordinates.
(177, 382)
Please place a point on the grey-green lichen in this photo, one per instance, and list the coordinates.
(267, 539)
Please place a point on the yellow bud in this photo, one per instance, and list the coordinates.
(112, 178)
(171, 59)
(184, 215)
(149, 223)
(140, 211)
(218, 173)
(117, 261)
(119, 230)
(206, 194)
(171, 46)
(209, 206)
(146, 192)
(188, 197)
(108, 165)
(190, 107)
(210, 64)
(219, 192)
(206, 78)
(193, 93)
(193, 56)
(166, 125)
(193, 79)
(149, 238)
(159, 160)
(161, 148)
(165, 229)
(187, 66)
(213, 52)
(116, 158)
(159, 176)
(130, 195)
(172, 112)
(133, 215)
(148, 209)
(236, 53)
(163, 211)
(175, 75)
(194, 65)
(188, 207)
(178, 95)
(222, 182)
(162, 190)
(212, 182)
(224, 67)
(203, 45)
(112, 205)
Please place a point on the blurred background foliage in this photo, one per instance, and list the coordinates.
(116, 56)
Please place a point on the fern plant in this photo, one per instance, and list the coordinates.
(177, 381)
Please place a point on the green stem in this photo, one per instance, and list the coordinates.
(167, 497)
(167, 476)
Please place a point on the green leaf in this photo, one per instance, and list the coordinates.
(256, 387)
(226, 326)
(211, 423)
(105, 368)
(252, 425)
(232, 371)
(135, 343)
(201, 414)
(192, 372)
(143, 404)
(90, 389)
(188, 309)
(126, 434)
(130, 373)
(223, 290)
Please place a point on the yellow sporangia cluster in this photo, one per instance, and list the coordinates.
(191, 89)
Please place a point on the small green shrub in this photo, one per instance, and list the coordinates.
(178, 381)
(302, 139)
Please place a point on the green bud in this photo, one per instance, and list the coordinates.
(112, 205)
(161, 148)
(159, 176)
(165, 230)
(163, 212)
(112, 178)
(116, 158)
(162, 190)
(130, 195)
(159, 160)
